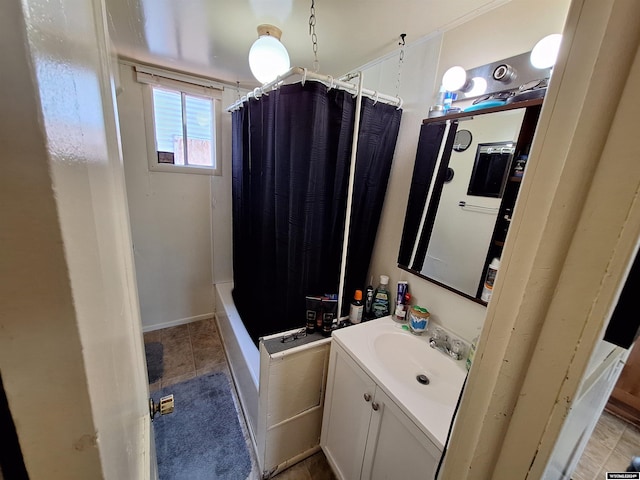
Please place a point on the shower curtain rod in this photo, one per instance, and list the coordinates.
(328, 80)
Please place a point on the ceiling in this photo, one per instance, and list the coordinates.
(213, 37)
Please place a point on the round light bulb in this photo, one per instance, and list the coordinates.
(545, 53)
(478, 88)
(268, 58)
(454, 78)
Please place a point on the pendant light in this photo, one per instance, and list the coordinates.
(268, 58)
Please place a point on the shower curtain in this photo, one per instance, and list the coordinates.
(291, 155)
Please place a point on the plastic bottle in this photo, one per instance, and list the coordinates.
(381, 298)
(357, 307)
(492, 271)
(400, 314)
(472, 352)
(368, 301)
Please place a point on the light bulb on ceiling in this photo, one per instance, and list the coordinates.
(545, 53)
(268, 58)
(454, 78)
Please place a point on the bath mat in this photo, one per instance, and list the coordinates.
(202, 438)
(155, 363)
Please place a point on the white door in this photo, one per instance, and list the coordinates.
(347, 414)
(74, 343)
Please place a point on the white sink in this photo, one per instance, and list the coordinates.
(394, 358)
(409, 359)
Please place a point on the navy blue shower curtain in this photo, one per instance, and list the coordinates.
(291, 153)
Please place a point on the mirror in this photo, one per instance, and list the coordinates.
(463, 191)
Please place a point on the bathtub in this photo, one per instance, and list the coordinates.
(242, 354)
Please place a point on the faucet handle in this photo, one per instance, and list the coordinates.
(456, 349)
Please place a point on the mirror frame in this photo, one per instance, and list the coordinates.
(425, 202)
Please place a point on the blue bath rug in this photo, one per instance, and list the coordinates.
(155, 361)
(202, 438)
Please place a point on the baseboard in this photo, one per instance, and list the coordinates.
(175, 323)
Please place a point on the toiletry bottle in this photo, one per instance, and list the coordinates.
(472, 352)
(368, 301)
(400, 314)
(356, 308)
(487, 288)
(381, 298)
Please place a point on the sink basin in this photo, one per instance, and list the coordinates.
(406, 356)
(395, 358)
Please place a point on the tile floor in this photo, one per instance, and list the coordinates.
(196, 349)
(610, 448)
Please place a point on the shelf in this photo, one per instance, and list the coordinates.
(515, 179)
(501, 108)
(498, 243)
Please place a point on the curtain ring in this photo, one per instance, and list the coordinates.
(256, 93)
(330, 83)
(400, 104)
(375, 97)
(304, 76)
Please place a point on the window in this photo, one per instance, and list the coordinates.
(175, 111)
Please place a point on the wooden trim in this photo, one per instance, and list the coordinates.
(484, 111)
(443, 285)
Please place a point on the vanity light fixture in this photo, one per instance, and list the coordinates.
(268, 58)
(545, 53)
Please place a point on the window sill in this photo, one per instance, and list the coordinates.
(168, 168)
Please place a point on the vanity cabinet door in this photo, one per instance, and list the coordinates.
(396, 447)
(347, 413)
(365, 435)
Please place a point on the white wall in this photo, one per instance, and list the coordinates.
(506, 31)
(71, 345)
(175, 219)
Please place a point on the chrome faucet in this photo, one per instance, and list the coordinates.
(453, 347)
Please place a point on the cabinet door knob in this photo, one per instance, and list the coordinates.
(367, 397)
(375, 406)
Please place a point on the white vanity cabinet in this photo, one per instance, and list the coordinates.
(365, 434)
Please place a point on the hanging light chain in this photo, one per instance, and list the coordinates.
(314, 37)
(400, 62)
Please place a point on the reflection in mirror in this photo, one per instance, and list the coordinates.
(462, 140)
(452, 226)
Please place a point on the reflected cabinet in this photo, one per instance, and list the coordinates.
(464, 188)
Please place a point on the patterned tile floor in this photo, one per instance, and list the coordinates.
(610, 448)
(196, 349)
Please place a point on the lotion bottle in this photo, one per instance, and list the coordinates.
(487, 288)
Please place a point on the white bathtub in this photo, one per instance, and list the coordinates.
(242, 354)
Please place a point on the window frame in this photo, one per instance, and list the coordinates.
(214, 94)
